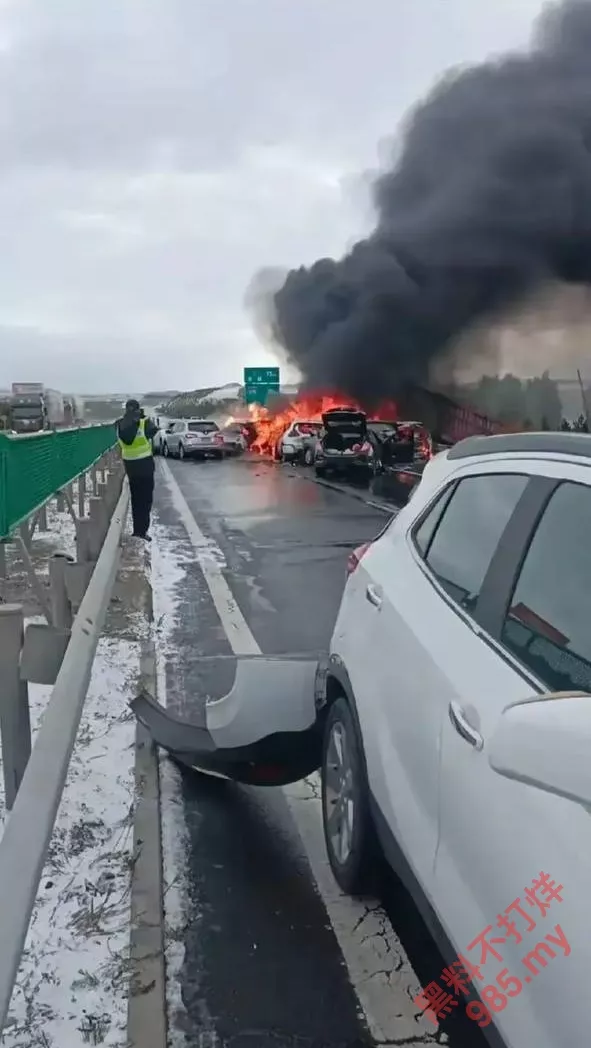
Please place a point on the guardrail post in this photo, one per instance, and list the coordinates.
(94, 481)
(113, 489)
(82, 495)
(60, 502)
(40, 591)
(61, 611)
(26, 536)
(15, 723)
(97, 513)
(42, 525)
(84, 541)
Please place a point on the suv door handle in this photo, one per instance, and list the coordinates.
(374, 596)
(463, 726)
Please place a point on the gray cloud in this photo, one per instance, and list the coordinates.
(154, 154)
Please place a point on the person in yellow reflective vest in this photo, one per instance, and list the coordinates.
(135, 433)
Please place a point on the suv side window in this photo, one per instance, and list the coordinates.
(548, 622)
(471, 525)
(426, 529)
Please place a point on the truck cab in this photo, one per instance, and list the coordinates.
(28, 413)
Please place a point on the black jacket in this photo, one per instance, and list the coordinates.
(127, 428)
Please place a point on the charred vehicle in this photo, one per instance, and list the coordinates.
(392, 444)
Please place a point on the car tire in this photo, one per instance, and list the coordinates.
(165, 451)
(308, 457)
(181, 451)
(349, 833)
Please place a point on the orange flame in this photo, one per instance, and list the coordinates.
(271, 425)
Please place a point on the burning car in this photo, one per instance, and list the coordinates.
(298, 443)
(344, 446)
(234, 438)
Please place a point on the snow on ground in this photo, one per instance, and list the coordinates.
(72, 985)
(61, 533)
(167, 579)
(229, 392)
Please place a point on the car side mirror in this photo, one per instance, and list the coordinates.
(545, 742)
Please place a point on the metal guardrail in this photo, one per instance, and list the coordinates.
(36, 466)
(27, 833)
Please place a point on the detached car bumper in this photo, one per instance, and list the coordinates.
(266, 731)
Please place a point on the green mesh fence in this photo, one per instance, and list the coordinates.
(34, 468)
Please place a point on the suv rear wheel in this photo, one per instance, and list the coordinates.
(348, 828)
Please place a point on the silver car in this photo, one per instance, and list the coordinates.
(193, 438)
(164, 426)
(298, 443)
(234, 439)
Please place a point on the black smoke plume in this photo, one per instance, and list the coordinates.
(490, 198)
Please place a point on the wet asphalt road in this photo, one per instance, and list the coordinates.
(263, 968)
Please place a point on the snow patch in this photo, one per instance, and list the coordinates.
(60, 535)
(229, 392)
(72, 986)
(168, 575)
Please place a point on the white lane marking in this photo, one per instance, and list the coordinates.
(210, 557)
(378, 968)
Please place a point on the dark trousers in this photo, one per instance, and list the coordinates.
(141, 489)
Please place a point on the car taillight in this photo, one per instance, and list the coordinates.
(354, 558)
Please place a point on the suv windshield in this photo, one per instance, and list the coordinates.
(202, 427)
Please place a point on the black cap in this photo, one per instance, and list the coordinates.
(132, 405)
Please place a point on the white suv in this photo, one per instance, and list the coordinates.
(475, 598)
(193, 438)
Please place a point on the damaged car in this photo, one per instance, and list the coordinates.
(298, 443)
(344, 448)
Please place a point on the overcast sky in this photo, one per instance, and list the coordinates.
(155, 153)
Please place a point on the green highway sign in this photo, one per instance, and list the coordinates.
(258, 383)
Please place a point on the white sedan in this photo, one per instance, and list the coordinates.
(460, 630)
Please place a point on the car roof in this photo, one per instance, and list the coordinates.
(577, 445)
